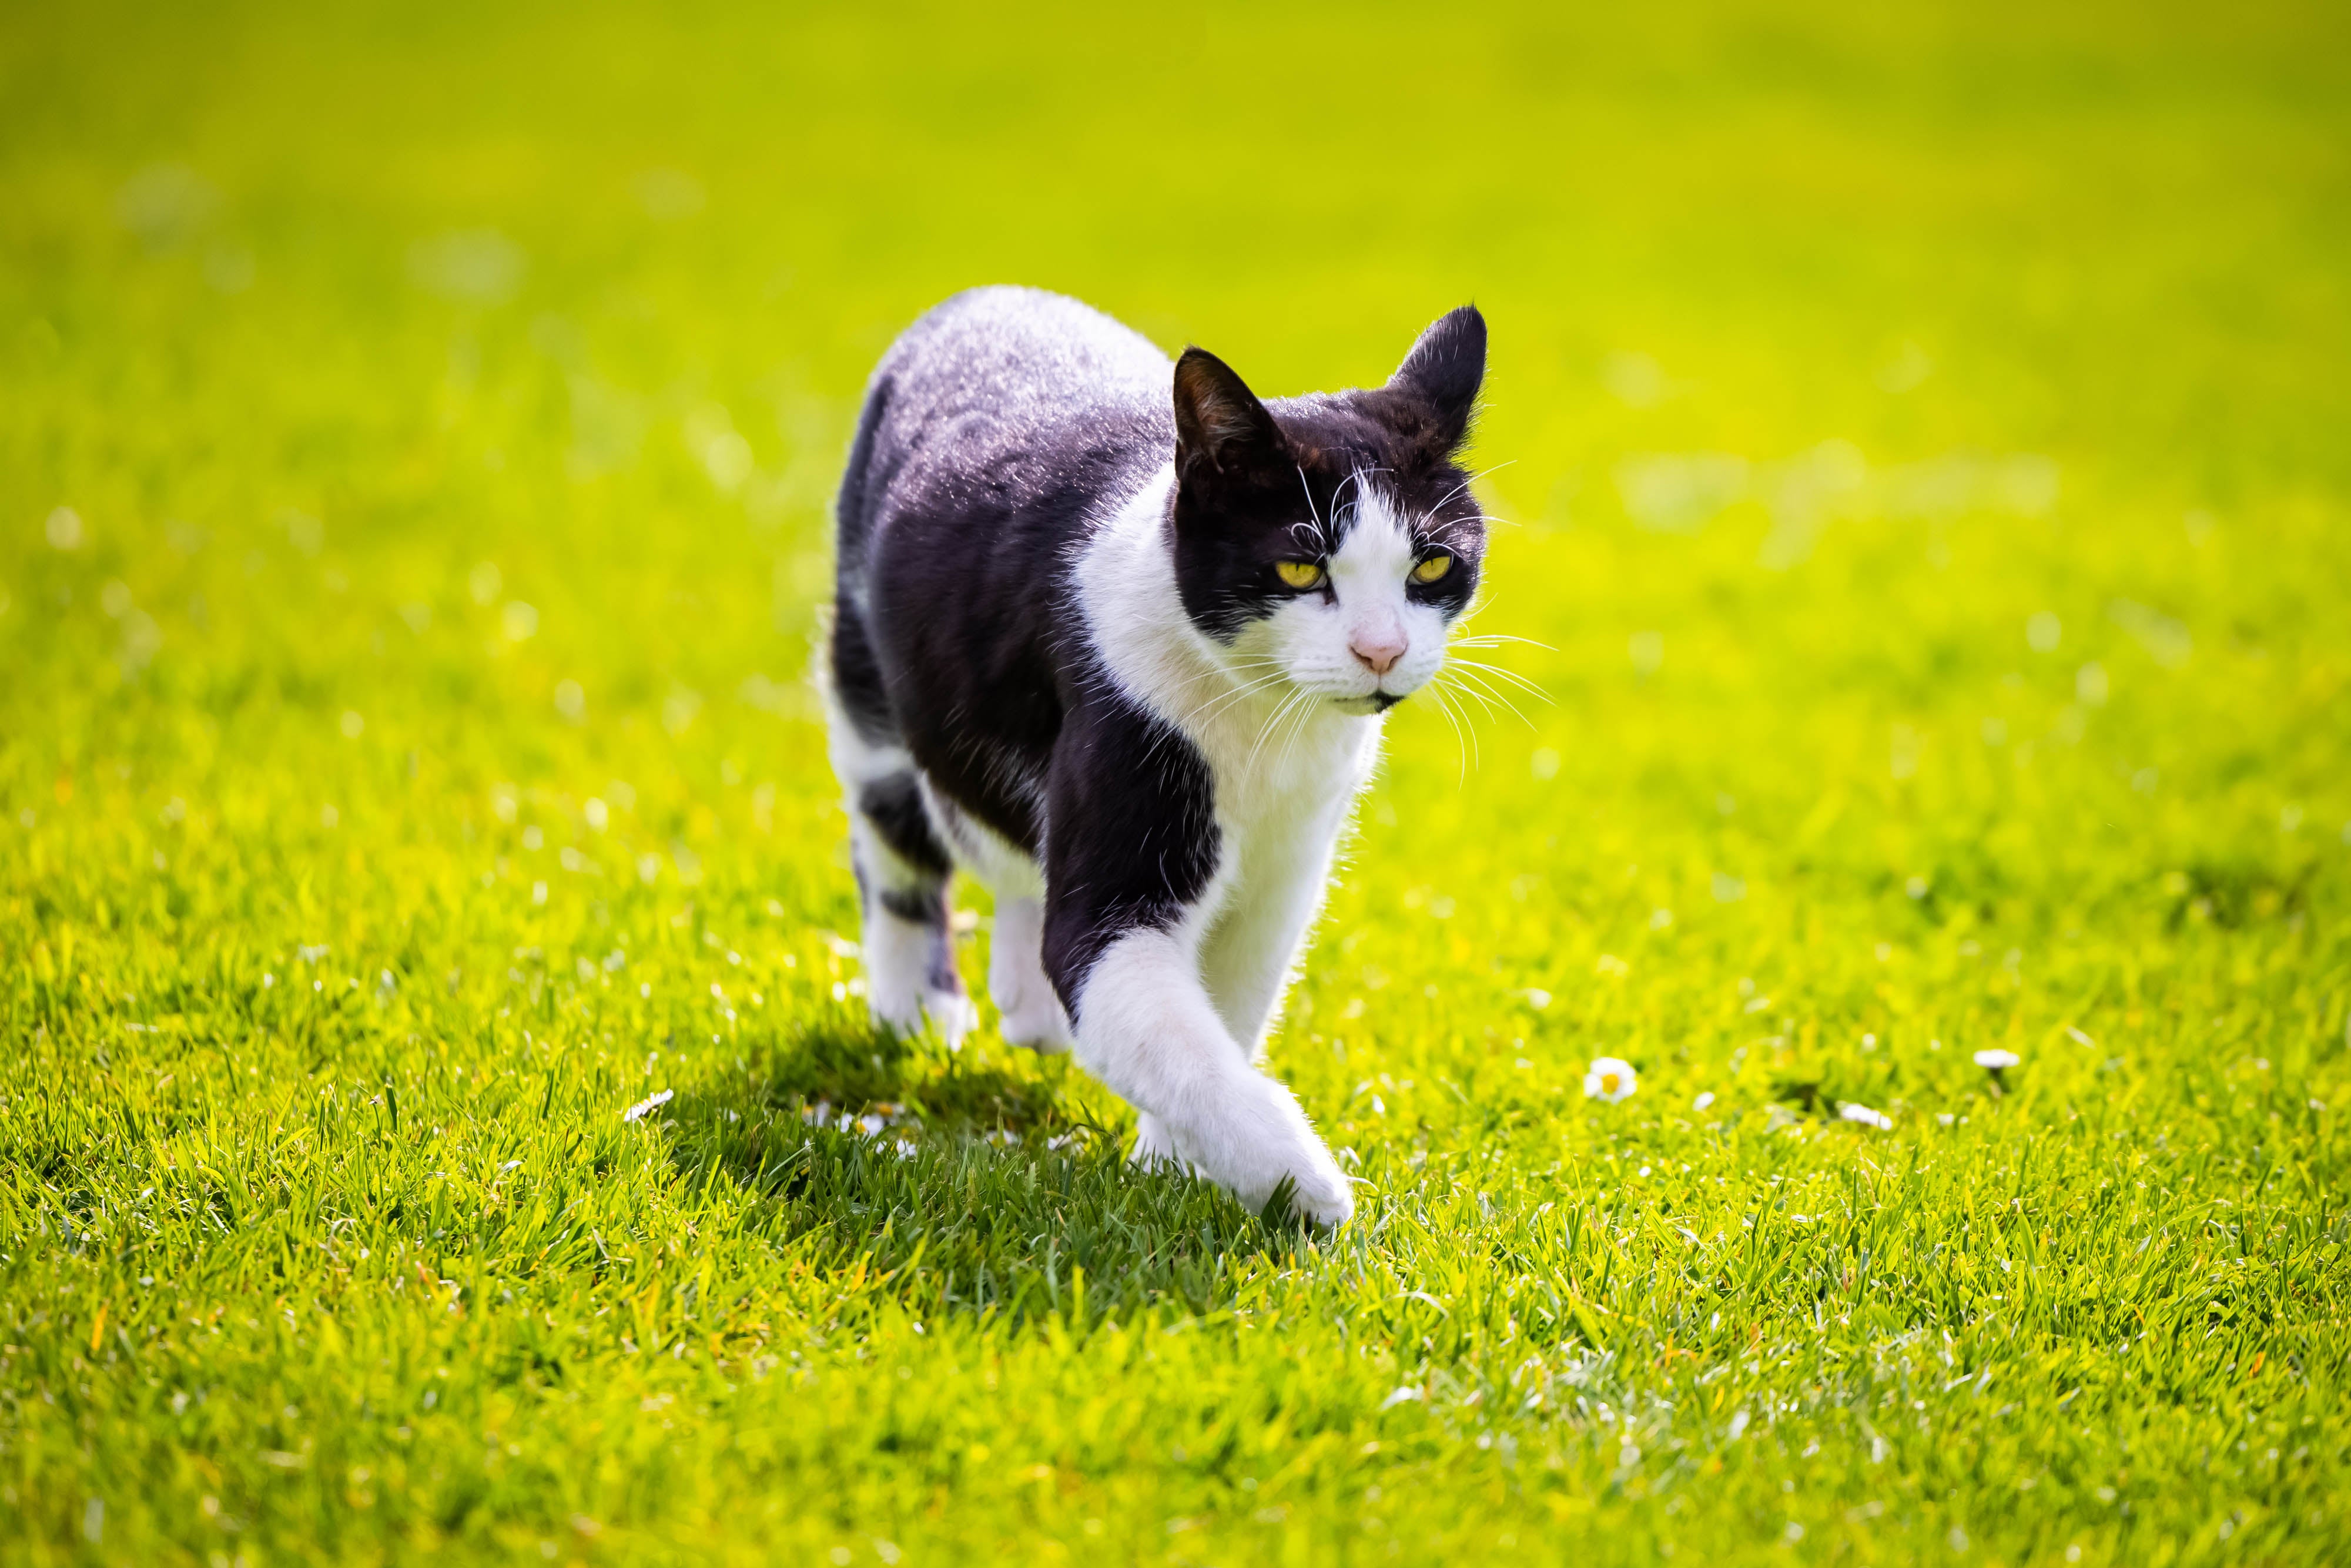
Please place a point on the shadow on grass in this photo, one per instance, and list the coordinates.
(976, 1188)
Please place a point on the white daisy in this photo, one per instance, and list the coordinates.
(1611, 1078)
(1995, 1060)
(651, 1102)
(1853, 1112)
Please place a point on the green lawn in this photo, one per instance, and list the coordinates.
(1924, 439)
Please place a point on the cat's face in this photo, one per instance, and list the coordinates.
(1329, 542)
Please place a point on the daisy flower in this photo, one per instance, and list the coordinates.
(1611, 1078)
(649, 1103)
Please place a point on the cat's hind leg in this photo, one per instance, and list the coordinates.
(901, 866)
(902, 880)
(1033, 1012)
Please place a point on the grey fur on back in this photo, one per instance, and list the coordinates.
(1027, 394)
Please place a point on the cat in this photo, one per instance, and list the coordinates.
(1116, 637)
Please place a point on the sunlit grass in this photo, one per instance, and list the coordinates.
(1919, 447)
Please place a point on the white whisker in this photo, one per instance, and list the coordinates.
(1468, 723)
(1297, 730)
(1471, 683)
(1484, 699)
(1497, 673)
(1465, 741)
(1217, 705)
(1496, 639)
(1265, 732)
(1472, 479)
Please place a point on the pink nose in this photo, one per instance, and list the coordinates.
(1376, 651)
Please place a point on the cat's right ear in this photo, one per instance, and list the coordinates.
(1223, 434)
(1441, 376)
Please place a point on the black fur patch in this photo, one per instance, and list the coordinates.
(1143, 840)
(857, 683)
(894, 807)
(925, 906)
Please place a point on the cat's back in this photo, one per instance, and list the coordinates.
(1009, 351)
(1006, 401)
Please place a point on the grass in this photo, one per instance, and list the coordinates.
(1924, 443)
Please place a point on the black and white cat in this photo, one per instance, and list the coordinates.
(1116, 637)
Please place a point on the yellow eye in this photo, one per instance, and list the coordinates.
(1300, 573)
(1434, 568)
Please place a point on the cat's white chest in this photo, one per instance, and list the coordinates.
(1283, 786)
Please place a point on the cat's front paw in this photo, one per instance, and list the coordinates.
(1255, 1138)
(1320, 1195)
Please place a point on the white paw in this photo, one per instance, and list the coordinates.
(1031, 1010)
(1153, 1147)
(951, 1013)
(910, 977)
(906, 1009)
(1045, 1028)
(1252, 1139)
(898, 1007)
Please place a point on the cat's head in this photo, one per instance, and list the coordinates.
(1332, 539)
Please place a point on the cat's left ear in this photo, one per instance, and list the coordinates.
(1442, 376)
(1223, 434)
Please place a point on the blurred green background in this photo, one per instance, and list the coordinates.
(1920, 435)
(2024, 308)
